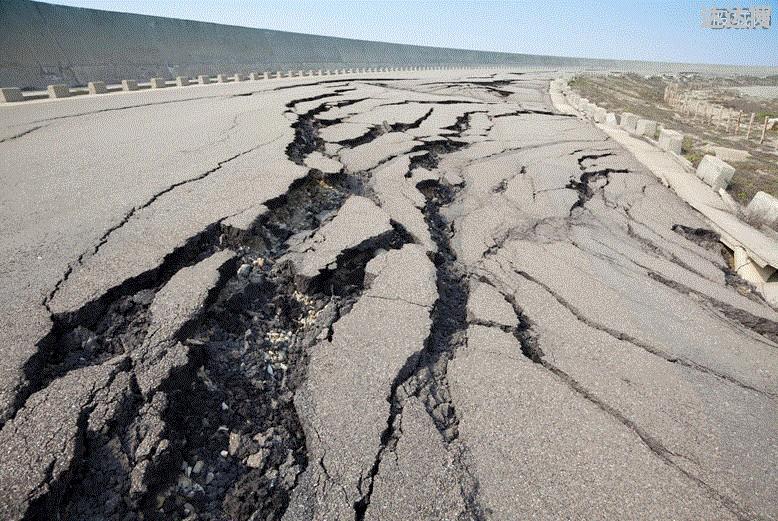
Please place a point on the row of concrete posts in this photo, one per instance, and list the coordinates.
(13, 94)
(713, 171)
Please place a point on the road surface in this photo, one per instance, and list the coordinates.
(388, 296)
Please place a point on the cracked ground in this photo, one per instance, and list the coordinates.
(419, 297)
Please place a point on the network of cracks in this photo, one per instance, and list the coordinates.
(218, 436)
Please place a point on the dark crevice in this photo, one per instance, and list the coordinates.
(379, 130)
(140, 105)
(624, 337)
(424, 374)
(711, 241)
(264, 299)
(22, 134)
(650, 246)
(532, 111)
(707, 239)
(434, 102)
(268, 322)
(529, 341)
(762, 326)
(462, 122)
(585, 185)
(338, 80)
(129, 215)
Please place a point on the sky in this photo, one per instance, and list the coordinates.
(653, 30)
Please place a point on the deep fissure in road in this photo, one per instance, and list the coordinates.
(424, 375)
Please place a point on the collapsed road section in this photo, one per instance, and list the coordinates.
(372, 299)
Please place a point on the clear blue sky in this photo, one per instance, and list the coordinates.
(643, 30)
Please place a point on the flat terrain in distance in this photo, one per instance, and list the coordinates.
(387, 296)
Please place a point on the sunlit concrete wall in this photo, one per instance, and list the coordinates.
(41, 44)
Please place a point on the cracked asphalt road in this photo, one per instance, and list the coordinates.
(428, 296)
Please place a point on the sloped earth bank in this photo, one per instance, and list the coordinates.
(469, 308)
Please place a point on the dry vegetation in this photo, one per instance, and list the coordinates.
(645, 96)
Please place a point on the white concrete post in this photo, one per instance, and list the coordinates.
(11, 94)
(158, 83)
(715, 173)
(266, 75)
(129, 85)
(670, 141)
(221, 78)
(97, 87)
(203, 79)
(58, 91)
(182, 81)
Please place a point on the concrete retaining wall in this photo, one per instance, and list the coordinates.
(43, 44)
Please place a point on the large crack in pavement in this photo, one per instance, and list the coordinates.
(528, 339)
(186, 392)
(424, 374)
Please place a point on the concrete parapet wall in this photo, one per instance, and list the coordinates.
(45, 44)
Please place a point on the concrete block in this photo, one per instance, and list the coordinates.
(11, 94)
(629, 122)
(715, 172)
(765, 207)
(611, 120)
(645, 127)
(221, 78)
(319, 72)
(238, 77)
(158, 83)
(266, 75)
(279, 75)
(301, 73)
(254, 76)
(764, 278)
(291, 74)
(600, 114)
(670, 140)
(182, 81)
(97, 87)
(203, 79)
(58, 91)
(129, 85)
